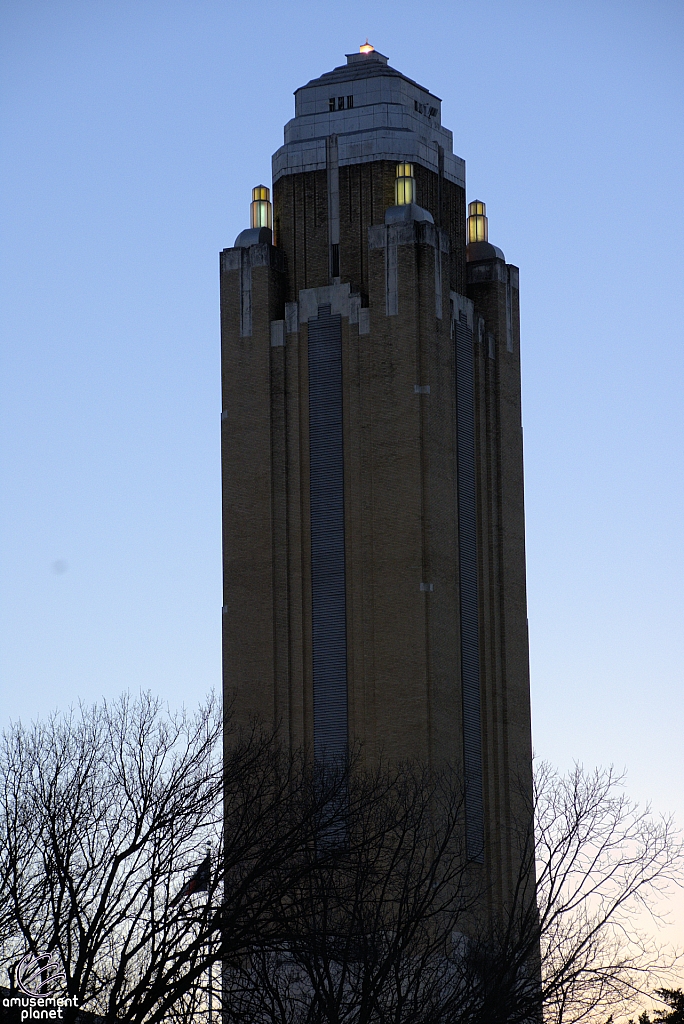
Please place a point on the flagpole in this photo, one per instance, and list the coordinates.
(210, 990)
(210, 978)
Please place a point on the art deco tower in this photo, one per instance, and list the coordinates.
(374, 563)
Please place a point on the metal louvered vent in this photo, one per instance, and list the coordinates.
(467, 546)
(327, 537)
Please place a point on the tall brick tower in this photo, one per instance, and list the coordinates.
(373, 524)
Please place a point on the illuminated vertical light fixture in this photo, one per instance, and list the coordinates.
(404, 185)
(261, 210)
(477, 222)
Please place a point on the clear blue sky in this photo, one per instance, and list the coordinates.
(133, 131)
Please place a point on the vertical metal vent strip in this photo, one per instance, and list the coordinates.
(326, 462)
(467, 546)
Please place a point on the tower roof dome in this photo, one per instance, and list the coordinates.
(375, 112)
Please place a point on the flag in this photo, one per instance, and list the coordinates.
(199, 882)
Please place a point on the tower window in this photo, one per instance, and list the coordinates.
(424, 109)
(331, 104)
(350, 102)
(340, 102)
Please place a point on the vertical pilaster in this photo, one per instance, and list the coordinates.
(326, 510)
(282, 679)
(493, 287)
(251, 281)
(469, 584)
(333, 180)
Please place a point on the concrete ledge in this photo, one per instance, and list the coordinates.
(338, 296)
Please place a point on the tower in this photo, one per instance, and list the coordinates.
(373, 523)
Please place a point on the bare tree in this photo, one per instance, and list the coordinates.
(103, 817)
(597, 867)
(394, 929)
(369, 928)
(331, 895)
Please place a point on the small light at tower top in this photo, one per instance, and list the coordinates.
(477, 222)
(366, 48)
(260, 209)
(404, 185)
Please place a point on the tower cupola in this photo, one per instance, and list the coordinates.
(260, 220)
